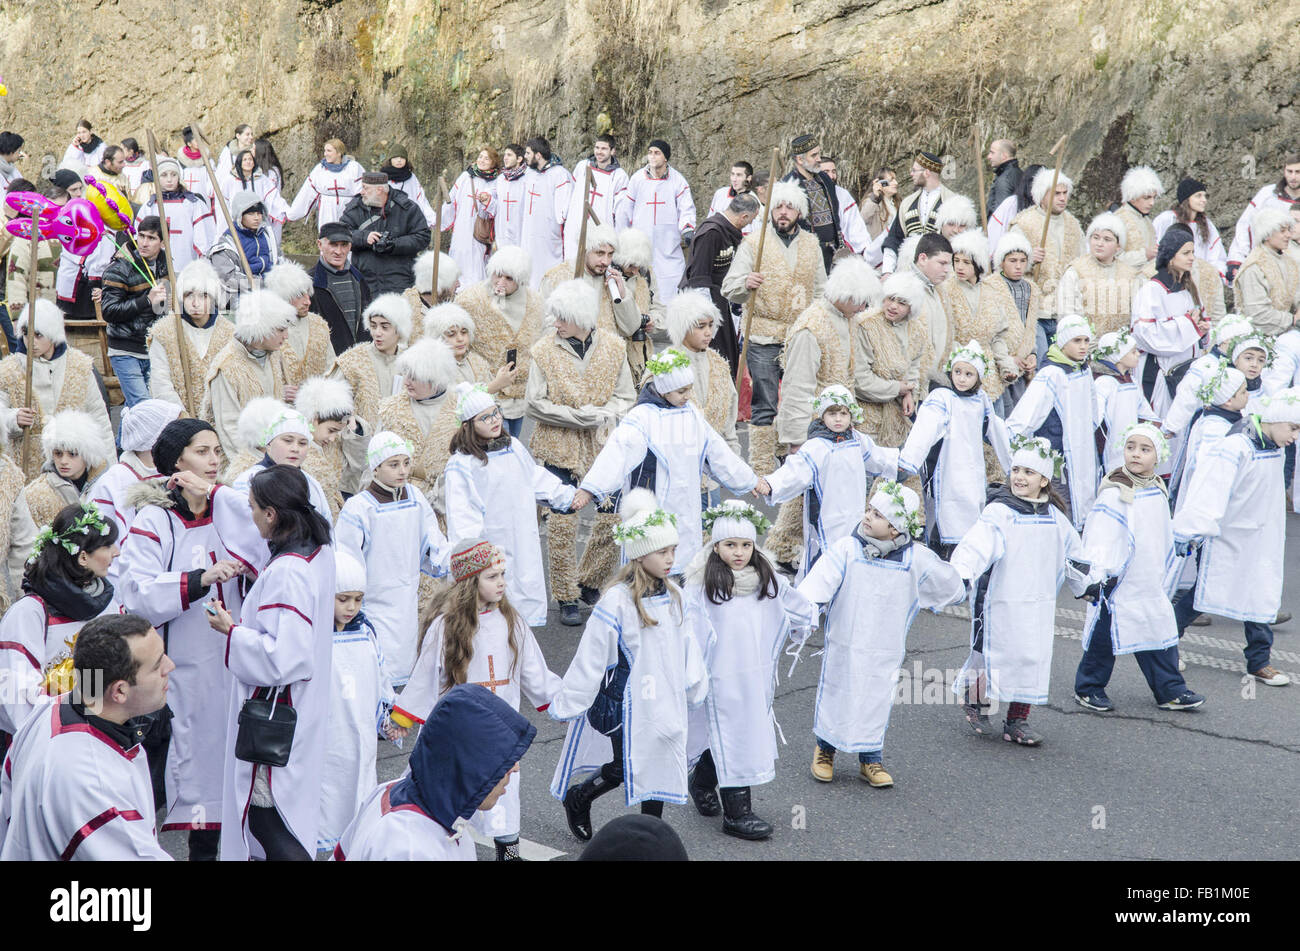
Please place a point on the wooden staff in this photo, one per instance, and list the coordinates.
(758, 263)
(1059, 152)
(220, 197)
(173, 297)
(979, 165)
(30, 332)
(580, 260)
(437, 234)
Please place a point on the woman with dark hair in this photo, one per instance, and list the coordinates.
(242, 139)
(64, 586)
(1168, 318)
(1000, 217)
(85, 150)
(1190, 211)
(280, 650)
(471, 198)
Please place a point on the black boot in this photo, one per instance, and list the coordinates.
(578, 800)
(508, 851)
(703, 783)
(738, 820)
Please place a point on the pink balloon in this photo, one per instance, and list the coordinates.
(30, 204)
(78, 226)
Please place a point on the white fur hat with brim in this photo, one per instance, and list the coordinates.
(957, 210)
(261, 313)
(448, 272)
(904, 286)
(254, 418)
(1108, 221)
(900, 506)
(395, 309)
(1140, 181)
(789, 193)
(349, 574)
(288, 280)
(510, 261)
(74, 431)
(438, 320)
(49, 321)
(1268, 222)
(687, 311)
(143, 422)
(428, 361)
(1282, 407)
(320, 398)
(574, 302)
(974, 244)
(201, 277)
(1043, 181)
(601, 236)
(1010, 242)
(634, 248)
(853, 281)
(906, 255)
(644, 527)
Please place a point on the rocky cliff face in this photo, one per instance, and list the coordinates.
(1192, 87)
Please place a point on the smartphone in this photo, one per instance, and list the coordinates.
(210, 608)
(512, 355)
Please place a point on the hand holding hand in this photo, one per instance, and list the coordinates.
(581, 499)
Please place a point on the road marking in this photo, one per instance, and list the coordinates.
(529, 850)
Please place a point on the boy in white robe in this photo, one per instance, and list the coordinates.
(285, 442)
(334, 182)
(658, 202)
(1223, 397)
(548, 190)
(871, 585)
(1059, 405)
(1235, 515)
(1120, 402)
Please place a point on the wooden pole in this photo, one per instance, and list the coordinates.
(1059, 151)
(173, 298)
(437, 234)
(580, 259)
(758, 264)
(31, 328)
(979, 165)
(220, 198)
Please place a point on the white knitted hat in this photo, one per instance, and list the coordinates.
(287, 421)
(575, 302)
(904, 286)
(395, 309)
(75, 431)
(1252, 341)
(1043, 181)
(634, 248)
(49, 321)
(1009, 242)
(685, 311)
(349, 574)
(837, 395)
(1036, 453)
(789, 193)
(1152, 433)
(900, 506)
(734, 518)
(971, 353)
(142, 423)
(1282, 407)
(1071, 326)
(385, 445)
(321, 398)
(1221, 385)
(288, 280)
(1108, 221)
(201, 276)
(853, 281)
(1266, 223)
(1229, 327)
(260, 313)
(254, 418)
(1138, 182)
(644, 527)
(472, 399)
(438, 320)
(957, 210)
(512, 262)
(1115, 345)
(671, 370)
(448, 272)
(428, 361)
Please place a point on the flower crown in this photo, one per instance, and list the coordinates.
(1205, 393)
(89, 524)
(476, 388)
(1042, 448)
(1123, 343)
(1257, 342)
(911, 519)
(734, 508)
(624, 532)
(667, 361)
(831, 397)
(965, 354)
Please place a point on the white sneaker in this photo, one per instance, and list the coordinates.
(1270, 675)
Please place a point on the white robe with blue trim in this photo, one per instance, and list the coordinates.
(1070, 394)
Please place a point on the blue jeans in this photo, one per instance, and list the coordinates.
(1259, 637)
(133, 376)
(766, 374)
(1159, 667)
(7, 326)
(514, 426)
(1044, 337)
(876, 757)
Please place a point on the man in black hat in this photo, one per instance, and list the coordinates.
(710, 258)
(658, 202)
(823, 204)
(917, 212)
(340, 293)
(388, 232)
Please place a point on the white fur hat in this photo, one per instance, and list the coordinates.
(1011, 241)
(448, 273)
(634, 248)
(852, 280)
(1282, 407)
(575, 302)
(1073, 325)
(428, 361)
(971, 353)
(200, 276)
(321, 398)
(385, 445)
(900, 506)
(904, 286)
(438, 320)
(288, 280)
(1265, 223)
(395, 309)
(957, 210)
(74, 431)
(142, 423)
(254, 418)
(686, 311)
(789, 193)
(512, 262)
(49, 321)
(601, 236)
(1138, 182)
(1043, 181)
(261, 313)
(472, 399)
(670, 370)
(906, 255)
(349, 574)
(644, 527)
(1108, 221)
(974, 244)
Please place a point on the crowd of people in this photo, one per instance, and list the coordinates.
(307, 534)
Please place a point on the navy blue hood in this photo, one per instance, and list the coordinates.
(471, 739)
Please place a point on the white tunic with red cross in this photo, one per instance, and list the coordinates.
(191, 225)
(608, 186)
(663, 208)
(546, 208)
(328, 192)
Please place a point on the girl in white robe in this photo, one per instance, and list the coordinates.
(1168, 320)
(1016, 557)
(832, 470)
(1059, 405)
(459, 212)
(745, 612)
(328, 187)
(637, 633)
(483, 479)
(948, 439)
(392, 530)
(1120, 402)
(479, 638)
(266, 188)
(664, 443)
(280, 651)
(1235, 512)
(871, 585)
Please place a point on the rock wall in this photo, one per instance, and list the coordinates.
(1191, 87)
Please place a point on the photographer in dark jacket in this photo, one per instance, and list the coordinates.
(388, 232)
(135, 295)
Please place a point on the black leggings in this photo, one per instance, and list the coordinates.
(274, 836)
(612, 773)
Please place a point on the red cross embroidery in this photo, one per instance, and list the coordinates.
(531, 195)
(508, 202)
(654, 205)
(491, 683)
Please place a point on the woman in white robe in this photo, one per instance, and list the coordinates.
(328, 187)
(469, 199)
(1168, 320)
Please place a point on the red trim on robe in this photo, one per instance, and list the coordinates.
(105, 817)
(58, 727)
(286, 607)
(18, 646)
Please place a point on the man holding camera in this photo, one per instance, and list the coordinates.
(388, 232)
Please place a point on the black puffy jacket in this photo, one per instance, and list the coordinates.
(388, 265)
(125, 304)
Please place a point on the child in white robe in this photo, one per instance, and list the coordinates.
(1016, 556)
(487, 469)
(1129, 536)
(1233, 510)
(141, 426)
(664, 443)
(480, 638)
(947, 440)
(1059, 405)
(285, 442)
(638, 629)
(832, 470)
(871, 584)
(745, 611)
(360, 699)
(391, 529)
(1223, 397)
(1120, 402)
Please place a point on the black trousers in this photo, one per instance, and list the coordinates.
(273, 835)
(612, 773)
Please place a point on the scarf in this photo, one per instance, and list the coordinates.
(653, 397)
(334, 166)
(1102, 367)
(71, 600)
(1128, 483)
(1002, 493)
(501, 442)
(819, 430)
(191, 153)
(514, 174)
(879, 547)
(398, 174)
(474, 172)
